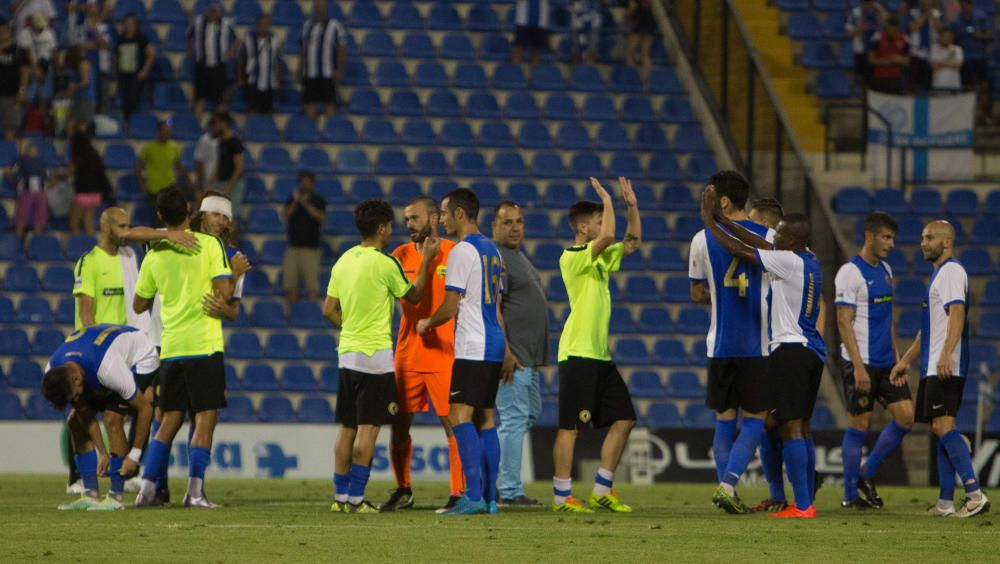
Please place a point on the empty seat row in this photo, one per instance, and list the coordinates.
(962, 202)
(985, 231)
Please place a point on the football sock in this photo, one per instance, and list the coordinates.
(156, 458)
(797, 462)
(198, 459)
(946, 477)
(771, 462)
(67, 449)
(850, 450)
(114, 473)
(359, 481)
(341, 487)
(471, 451)
(890, 438)
(491, 462)
(161, 479)
(86, 465)
(603, 481)
(455, 468)
(400, 455)
(811, 466)
(722, 443)
(958, 452)
(562, 488)
(743, 450)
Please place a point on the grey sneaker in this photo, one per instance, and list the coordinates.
(191, 501)
(936, 511)
(142, 502)
(518, 501)
(971, 508)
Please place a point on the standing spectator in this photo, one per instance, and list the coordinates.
(81, 88)
(585, 21)
(946, 63)
(25, 10)
(973, 31)
(90, 183)
(526, 317)
(31, 175)
(211, 42)
(134, 56)
(889, 55)
(159, 164)
(324, 46)
(639, 43)
(206, 157)
(305, 212)
(864, 22)
(39, 42)
(95, 37)
(13, 81)
(531, 18)
(230, 165)
(924, 23)
(260, 63)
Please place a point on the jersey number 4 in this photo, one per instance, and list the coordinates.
(490, 279)
(732, 281)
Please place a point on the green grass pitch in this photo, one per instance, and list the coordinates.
(289, 521)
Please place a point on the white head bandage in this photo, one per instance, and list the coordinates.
(217, 204)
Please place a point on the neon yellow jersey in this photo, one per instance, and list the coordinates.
(160, 160)
(181, 280)
(586, 331)
(367, 283)
(99, 275)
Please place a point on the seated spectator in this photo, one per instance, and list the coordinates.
(865, 20)
(531, 21)
(973, 31)
(81, 88)
(95, 37)
(260, 66)
(924, 23)
(305, 212)
(889, 54)
(39, 42)
(639, 43)
(211, 43)
(586, 24)
(946, 63)
(24, 11)
(13, 81)
(321, 60)
(90, 183)
(158, 165)
(30, 176)
(231, 165)
(134, 57)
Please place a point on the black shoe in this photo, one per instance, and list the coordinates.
(817, 483)
(856, 503)
(162, 497)
(452, 500)
(518, 501)
(401, 498)
(867, 489)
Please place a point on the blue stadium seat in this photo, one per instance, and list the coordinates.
(818, 55)
(301, 129)
(34, 310)
(340, 130)
(549, 417)
(268, 314)
(833, 85)
(170, 97)
(625, 79)
(521, 105)
(698, 416)
(245, 12)
(58, 279)
(684, 384)
(977, 261)
(689, 138)
(700, 166)
(548, 165)
(125, 7)
(627, 165)
(283, 346)
(444, 17)
(962, 202)
(678, 197)
(365, 15)
(598, 107)
(25, 374)
(232, 381)
(167, 12)
(366, 189)
(560, 195)
(329, 379)
(585, 78)
(663, 80)
(646, 384)
(650, 137)
(356, 73)
(669, 352)
(391, 161)
(642, 289)
(664, 167)
(38, 408)
(482, 18)
(638, 109)
(272, 252)
(10, 407)
(471, 76)
(287, 13)
(298, 378)
(693, 321)
(315, 160)
(488, 193)
(244, 345)
(989, 325)
(307, 315)
(524, 193)
(655, 320)
(495, 134)
(21, 278)
(239, 410)
(256, 283)
(276, 409)
(470, 163)
(611, 136)
(556, 290)
(405, 103)
(563, 107)
(66, 311)
(587, 164)
(677, 109)
(260, 378)
(889, 200)
(852, 200)
(119, 157)
(404, 16)
(897, 262)
(509, 164)
(677, 290)
(910, 291)
(391, 73)
(667, 258)
(804, 25)
(983, 353)
(418, 44)
(926, 202)
(443, 103)
(986, 231)
(457, 133)
(455, 46)
(264, 220)
(823, 418)
(631, 352)
(431, 163)
(7, 314)
(663, 416)
(509, 76)
(353, 161)
(320, 346)
(365, 102)
(430, 75)
(186, 126)
(495, 47)
(404, 191)
(908, 324)
(621, 320)
(547, 76)
(535, 135)
(315, 410)
(45, 248)
(573, 136)
(910, 229)
(379, 131)
(482, 105)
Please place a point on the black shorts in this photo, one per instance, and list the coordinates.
(738, 383)
(938, 398)
(975, 72)
(193, 384)
(795, 373)
(531, 36)
(209, 83)
(475, 382)
(366, 399)
(862, 68)
(882, 391)
(920, 74)
(318, 91)
(106, 400)
(592, 393)
(259, 101)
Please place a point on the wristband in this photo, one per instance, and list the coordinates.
(135, 454)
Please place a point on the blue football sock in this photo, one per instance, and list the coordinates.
(341, 483)
(156, 459)
(946, 474)
(86, 464)
(743, 450)
(198, 459)
(161, 480)
(888, 440)
(811, 468)
(471, 452)
(358, 480)
(722, 443)
(797, 462)
(490, 441)
(850, 450)
(114, 473)
(771, 461)
(958, 452)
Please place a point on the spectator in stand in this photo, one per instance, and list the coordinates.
(305, 212)
(889, 55)
(864, 22)
(14, 71)
(946, 62)
(30, 176)
(95, 37)
(924, 23)
(39, 42)
(639, 43)
(531, 18)
(230, 165)
(211, 43)
(973, 31)
(81, 88)
(134, 56)
(158, 165)
(260, 66)
(24, 11)
(76, 14)
(321, 60)
(585, 21)
(90, 183)
(206, 157)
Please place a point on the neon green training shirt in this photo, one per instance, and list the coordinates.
(585, 334)
(99, 275)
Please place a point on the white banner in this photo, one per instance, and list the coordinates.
(937, 130)
(298, 450)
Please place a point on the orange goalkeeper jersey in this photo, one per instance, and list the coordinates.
(435, 350)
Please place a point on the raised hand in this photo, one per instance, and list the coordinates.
(628, 194)
(239, 264)
(601, 192)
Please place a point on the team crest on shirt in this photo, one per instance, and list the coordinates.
(393, 408)
(863, 401)
(585, 416)
(441, 270)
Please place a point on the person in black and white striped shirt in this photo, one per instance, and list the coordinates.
(321, 59)
(260, 62)
(211, 42)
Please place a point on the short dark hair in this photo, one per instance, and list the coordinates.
(733, 185)
(465, 200)
(307, 174)
(582, 209)
(880, 220)
(893, 19)
(57, 386)
(768, 205)
(504, 204)
(225, 118)
(429, 202)
(369, 215)
(172, 206)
